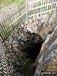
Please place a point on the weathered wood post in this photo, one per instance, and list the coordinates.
(56, 9)
(41, 5)
(52, 5)
(27, 10)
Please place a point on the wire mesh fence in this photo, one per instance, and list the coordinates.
(18, 15)
(41, 6)
(11, 20)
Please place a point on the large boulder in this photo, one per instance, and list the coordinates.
(47, 53)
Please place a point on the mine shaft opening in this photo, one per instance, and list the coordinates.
(34, 47)
(33, 50)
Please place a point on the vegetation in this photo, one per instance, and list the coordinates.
(55, 21)
(4, 3)
(51, 66)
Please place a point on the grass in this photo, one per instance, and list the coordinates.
(51, 66)
(4, 3)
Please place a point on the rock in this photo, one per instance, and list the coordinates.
(30, 29)
(18, 74)
(22, 25)
(8, 44)
(48, 52)
(14, 44)
(44, 44)
(34, 18)
(10, 39)
(16, 30)
(30, 21)
(15, 49)
(26, 22)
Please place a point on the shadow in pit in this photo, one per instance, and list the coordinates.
(32, 52)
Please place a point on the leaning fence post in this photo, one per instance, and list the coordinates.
(27, 10)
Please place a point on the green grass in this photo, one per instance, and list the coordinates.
(4, 3)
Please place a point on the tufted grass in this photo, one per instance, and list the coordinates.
(4, 3)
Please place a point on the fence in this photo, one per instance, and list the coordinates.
(41, 6)
(11, 20)
(18, 16)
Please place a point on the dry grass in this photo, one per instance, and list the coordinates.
(52, 66)
(4, 3)
(55, 21)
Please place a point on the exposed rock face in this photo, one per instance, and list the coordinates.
(48, 53)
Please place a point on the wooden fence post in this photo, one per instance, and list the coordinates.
(27, 10)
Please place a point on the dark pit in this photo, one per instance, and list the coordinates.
(32, 51)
